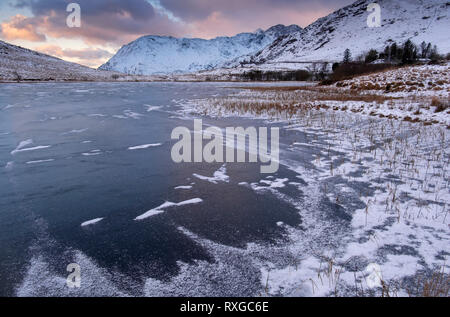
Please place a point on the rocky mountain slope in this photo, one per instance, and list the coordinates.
(20, 64)
(327, 38)
(164, 55)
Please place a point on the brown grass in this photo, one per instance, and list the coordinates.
(439, 104)
(318, 93)
(436, 285)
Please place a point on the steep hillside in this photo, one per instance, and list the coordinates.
(327, 38)
(20, 64)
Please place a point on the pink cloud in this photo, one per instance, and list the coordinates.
(228, 25)
(21, 27)
(92, 57)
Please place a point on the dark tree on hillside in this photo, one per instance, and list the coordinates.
(409, 53)
(347, 56)
(394, 51)
(423, 50)
(399, 54)
(387, 53)
(434, 54)
(428, 50)
(371, 56)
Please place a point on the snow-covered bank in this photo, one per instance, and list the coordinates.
(387, 174)
(415, 93)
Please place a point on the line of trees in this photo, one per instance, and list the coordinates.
(408, 53)
(257, 75)
(411, 53)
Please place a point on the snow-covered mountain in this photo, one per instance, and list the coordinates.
(163, 55)
(327, 38)
(21, 64)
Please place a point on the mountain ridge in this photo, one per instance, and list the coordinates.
(150, 54)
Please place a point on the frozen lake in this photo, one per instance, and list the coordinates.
(81, 161)
(86, 177)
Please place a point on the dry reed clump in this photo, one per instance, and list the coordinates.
(437, 284)
(439, 104)
(317, 93)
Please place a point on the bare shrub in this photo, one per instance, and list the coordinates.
(439, 104)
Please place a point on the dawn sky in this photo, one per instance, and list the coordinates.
(109, 24)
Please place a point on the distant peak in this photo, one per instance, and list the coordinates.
(281, 29)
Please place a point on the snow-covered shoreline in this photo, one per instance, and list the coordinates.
(389, 174)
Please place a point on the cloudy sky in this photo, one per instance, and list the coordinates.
(106, 25)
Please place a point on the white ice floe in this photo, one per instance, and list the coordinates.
(8, 107)
(268, 184)
(183, 187)
(128, 114)
(23, 144)
(91, 222)
(119, 116)
(145, 146)
(133, 115)
(40, 161)
(278, 183)
(40, 147)
(219, 176)
(166, 205)
(92, 153)
(152, 108)
(9, 166)
(97, 115)
(75, 131)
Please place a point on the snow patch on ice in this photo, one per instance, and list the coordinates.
(145, 146)
(219, 176)
(75, 131)
(92, 153)
(152, 108)
(91, 222)
(22, 147)
(167, 205)
(40, 161)
(183, 187)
